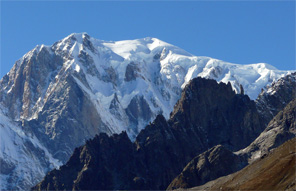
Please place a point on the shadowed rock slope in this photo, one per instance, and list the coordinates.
(276, 171)
(219, 161)
(276, 96)
(207, 114)
(207, 166)
(280, 129)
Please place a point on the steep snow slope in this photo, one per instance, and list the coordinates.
(156, 71)
(80, 86)
(23, 159)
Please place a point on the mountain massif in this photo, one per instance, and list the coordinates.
(57, 97)
(206, 115)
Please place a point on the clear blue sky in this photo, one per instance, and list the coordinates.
(241, 32)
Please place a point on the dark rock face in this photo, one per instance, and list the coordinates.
(217, 115)
(280, 129)
(138, 110)
(206, 115)
(87, 43)
(208, 166)
(6, 167)
(275, 171)
(88, 62)
(104, 162)
(276, 96)
(73, 120)
(110, 76)
(131, 72)
(26, 80)
(219, 162)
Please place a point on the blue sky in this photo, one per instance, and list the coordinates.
(241, 32)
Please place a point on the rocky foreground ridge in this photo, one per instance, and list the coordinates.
(208, 114)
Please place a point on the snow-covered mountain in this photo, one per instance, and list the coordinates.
(80, 86)
(119, 76)
(23, 158)
(207, 114)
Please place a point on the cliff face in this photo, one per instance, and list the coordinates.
(218, 161)
(207, 114)
(103, 162)
(276, 96)
(280, 129)
(217, 114)
(275, 171)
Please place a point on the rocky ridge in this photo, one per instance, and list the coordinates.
(163, 148)
(280, 129)
(214, 163)
(275, 171)
(218, 161)
(274, 97)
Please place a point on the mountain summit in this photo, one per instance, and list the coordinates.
(118, 78)
(58, 96)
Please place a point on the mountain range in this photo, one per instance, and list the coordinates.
(57, 97)
(207, 114)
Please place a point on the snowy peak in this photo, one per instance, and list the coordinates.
(176, 65)
(24, 160)
(146, 67)
(124, 66)
(146, 46)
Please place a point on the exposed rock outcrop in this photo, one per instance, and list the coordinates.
(208, 166)
(275, 171)
(206, 109)
(280, 129)
(276, 96)
(74, 120)
(202, 169)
